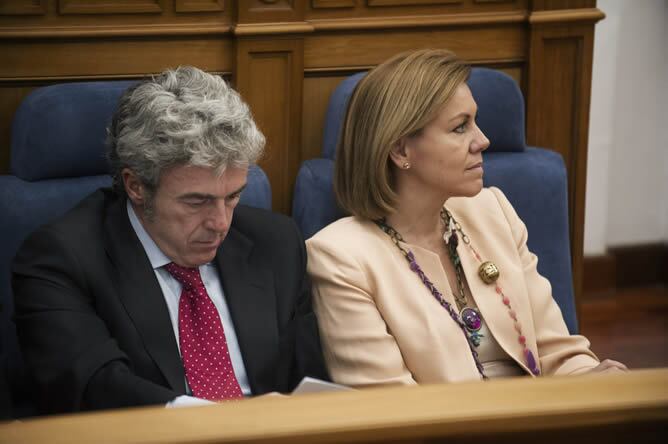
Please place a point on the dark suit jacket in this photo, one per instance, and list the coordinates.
(94, 327)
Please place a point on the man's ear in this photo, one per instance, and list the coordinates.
(399, 154)
(133, 187)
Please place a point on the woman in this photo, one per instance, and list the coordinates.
(408, 289)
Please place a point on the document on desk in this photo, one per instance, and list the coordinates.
(313, 385)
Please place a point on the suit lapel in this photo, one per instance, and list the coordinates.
(141, 295)
(493, 311)
(249, 292)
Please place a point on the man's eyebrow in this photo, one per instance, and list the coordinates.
(197, 196)
(207, 196)
(239, 190)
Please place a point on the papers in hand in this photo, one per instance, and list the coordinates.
(312, 385)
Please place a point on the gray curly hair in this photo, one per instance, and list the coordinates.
(182, 116)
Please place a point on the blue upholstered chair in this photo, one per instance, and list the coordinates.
(533, 179)
(57, 158)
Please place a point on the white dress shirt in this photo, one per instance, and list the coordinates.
(171, 290)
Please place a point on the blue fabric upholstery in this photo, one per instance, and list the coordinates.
(59, 130)
(534, 179)
(57, 158)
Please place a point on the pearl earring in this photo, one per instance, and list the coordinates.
(406, 165)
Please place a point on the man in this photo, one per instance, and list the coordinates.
(162, 290)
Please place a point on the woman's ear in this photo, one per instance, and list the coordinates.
(399, 154)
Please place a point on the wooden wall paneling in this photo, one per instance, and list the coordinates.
(411, 2)
(23, 7)
(85, 58)
(328, 51)
(109, 6)
(199, 5)
(317, 90)
(555, 5)
(104, 19)
(421, 14)
(269, 76)
(324, 4)
(559, 78)
(271, 11)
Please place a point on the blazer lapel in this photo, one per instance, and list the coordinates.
(493, 311)
(250, 296)
(142, 296)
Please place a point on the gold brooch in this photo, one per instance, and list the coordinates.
(488, 272)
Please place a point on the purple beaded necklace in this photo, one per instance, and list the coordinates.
(471, 339)
(450, 237)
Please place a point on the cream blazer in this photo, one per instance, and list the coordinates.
(379, 324)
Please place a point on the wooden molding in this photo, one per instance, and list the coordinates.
(617, 408)
(590, 15)
(272, 28)
(66, 7)
(558, 113)
(599, 274)
(199, 5)
(627, 266)
(418, 21)
(277, 65)
(23, 7)
(276, 11)
(328, 4)
(411, 2)
(61, 32)
(639, 265)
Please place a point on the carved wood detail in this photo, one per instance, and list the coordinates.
(411, 2)
(269, 75)
(257, 11)
(109, 6)
(324, 4)
(199, 5)
(23, 7)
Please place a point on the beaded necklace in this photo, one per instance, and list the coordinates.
(415, 267)
(487, 271)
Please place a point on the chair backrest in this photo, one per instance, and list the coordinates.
(533, 179)
(57, 158)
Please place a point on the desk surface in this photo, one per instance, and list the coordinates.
(630, 407)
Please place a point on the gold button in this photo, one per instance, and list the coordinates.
(488, 272)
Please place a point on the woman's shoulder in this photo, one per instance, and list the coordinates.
(349, 234)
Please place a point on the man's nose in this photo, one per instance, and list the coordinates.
(218, 219)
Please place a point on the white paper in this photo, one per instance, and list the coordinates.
(187, 401)
(313, 385)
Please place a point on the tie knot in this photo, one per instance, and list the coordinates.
(188, 277)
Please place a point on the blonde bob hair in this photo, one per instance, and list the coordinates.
(396, 99)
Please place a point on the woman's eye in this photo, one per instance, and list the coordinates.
(461, 128)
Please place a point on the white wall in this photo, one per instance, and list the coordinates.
(627, 171)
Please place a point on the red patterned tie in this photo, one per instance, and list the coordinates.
(206, 358)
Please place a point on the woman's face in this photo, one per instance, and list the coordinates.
(446, 156)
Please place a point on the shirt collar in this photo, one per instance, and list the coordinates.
(155, 255)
